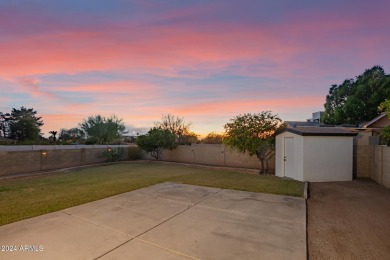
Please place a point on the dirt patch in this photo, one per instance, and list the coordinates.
(348, 220)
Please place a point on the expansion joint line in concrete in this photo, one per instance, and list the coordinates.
(167, 249)
(93, 223)
(159, 224)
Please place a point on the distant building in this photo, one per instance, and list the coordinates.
(129, 138)
(314, 121)
(301, 123)
(316, 117)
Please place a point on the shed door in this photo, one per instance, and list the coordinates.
(288, 156)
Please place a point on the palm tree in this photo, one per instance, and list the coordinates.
(54, 133)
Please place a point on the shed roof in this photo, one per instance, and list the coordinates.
(319, 131)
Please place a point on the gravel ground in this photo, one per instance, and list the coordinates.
(349, 220)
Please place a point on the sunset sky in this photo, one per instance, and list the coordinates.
(206, 61)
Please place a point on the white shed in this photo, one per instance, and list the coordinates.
(315, 154)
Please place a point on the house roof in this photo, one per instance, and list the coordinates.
(373, 121)
(319, 131)
(301, 123)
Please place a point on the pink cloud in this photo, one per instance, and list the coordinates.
(119, 86)
(248, 106)
(162, 48)
(32, 87)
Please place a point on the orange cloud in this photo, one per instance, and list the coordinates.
(55, 122)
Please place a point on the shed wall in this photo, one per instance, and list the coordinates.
(328, 158)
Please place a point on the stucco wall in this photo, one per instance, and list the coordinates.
(328, 158)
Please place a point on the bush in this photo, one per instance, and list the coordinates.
(156, 140)
(134, 153)
(113, 154)
(385, 136)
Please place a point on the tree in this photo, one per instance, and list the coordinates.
(385, 132)
(103, 130)
(254, 133)
(73, 135)
(356, 101)
(53, 135)
(189, 138)
(156, 140)
(385, 107)
(212, 138)
(5, 119)
(176, 125)
(24, 124)
(385, 135)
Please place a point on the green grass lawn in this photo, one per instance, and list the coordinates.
(29, 197)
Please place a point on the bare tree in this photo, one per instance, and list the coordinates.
(175, 125)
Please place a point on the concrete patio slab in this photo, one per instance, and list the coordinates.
(167, 221)
(136, 212)
(211, 233)
(57, 236)
(259, 204)
(189, 194)
(129, 217)
(138, 249)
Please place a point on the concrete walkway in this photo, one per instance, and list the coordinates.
(165, 221)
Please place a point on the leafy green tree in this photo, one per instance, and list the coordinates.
(385, 107)
(385, 132)
(25, 125)
(356, 101)
(254, 133)
(103, 130)
(385, 135)
(176, 125)
(156, 140)
(212, 138)
(73, 135)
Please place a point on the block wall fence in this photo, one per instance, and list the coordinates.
(370, 161)
(214, 155)
(380, 171)
(30, 159)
